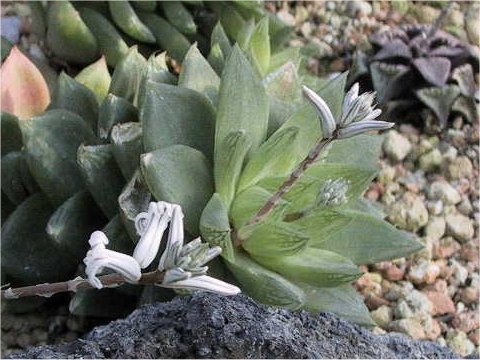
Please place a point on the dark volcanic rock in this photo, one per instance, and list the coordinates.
(212, 326)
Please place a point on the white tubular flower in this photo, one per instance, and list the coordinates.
(99, 257)
(175, 240)
(151, 226)
(361, 127)
(327, 121)
(204, 283)
(358, 114)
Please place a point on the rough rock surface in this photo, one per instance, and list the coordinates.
(211, 326)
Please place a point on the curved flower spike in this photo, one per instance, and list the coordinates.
(175, 240)
(363, 126)
(151, 226)
(99, 257)
(327, 121)
(204, 283)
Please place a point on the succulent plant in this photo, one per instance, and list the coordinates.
(413, 65)
(79, 32)
(217, 145)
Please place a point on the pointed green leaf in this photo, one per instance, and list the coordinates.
(439, 100)
(11, 134)
(72, 223)
(387, 79)
(97, 78)
(231, 20)
(248, 202)
(126, 19)
(368, 207)
(219, 37)
(367, 240)
(333, 93)
(173, 115)
(17, 182)
(280, 111)
(229, 163)
(260, 46)
(110, 42)
(145, 5)
(215, 227)
(134, 199)
(283, 83)
(198, 75)
(51, 143)
(242, 102)
(127, 147)
(181, 175)
(265, 285)
(68, 36)
(216, 59)
(179, 16)
(279, 59)
(168, 38)
(273, 239)
(114, 110)
(313, 266)
(276, 157)
(362, 151)
(77, 98)
(245, 35)
(128, 75)
(102, 176)
(343, 301)
(28, 255)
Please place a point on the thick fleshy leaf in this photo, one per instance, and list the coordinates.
(68, 36)
(439, 100)
(245, 34)
(174, 115)
(114, 110)
(248, 202)
(178, 15)
(280, 58)
(242, 103)
(133, 200)
(126, 19)
(260, 46)
(50, 144)
(333, 93)
(127, 147)
(219, 37)
(118, 237)
(270, 239)
(198, 75)
(180, 175)
(283, 83)
(395, 49)
(388, 80)
(6, 47)
(128, 76)
(108, 303)
(276, 157)
(467, 107)
(72, 223)
(102, 176)
(17, 182)
(24, 91)
(319, 224)
(316, 267)
(367, 240)
(361, 151)
(28, 255)
(97, 78)
(343, 301)
(369, 207)
(229, 163)
(303, 194)
(110, 42)
(168, 38)
(280, 111)
(434, 70)
(230, 19)
(264, 285)
(73, 96)
(216, 59)
(463, 75)
(7, 207)
(145, 5)
(11, 134)
(215, 227)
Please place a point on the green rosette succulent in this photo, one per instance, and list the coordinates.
(218, 140)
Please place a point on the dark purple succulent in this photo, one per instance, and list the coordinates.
(412, 65)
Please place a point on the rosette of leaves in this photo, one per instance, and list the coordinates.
(412, 66)
(218, 140)
(78, 32)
